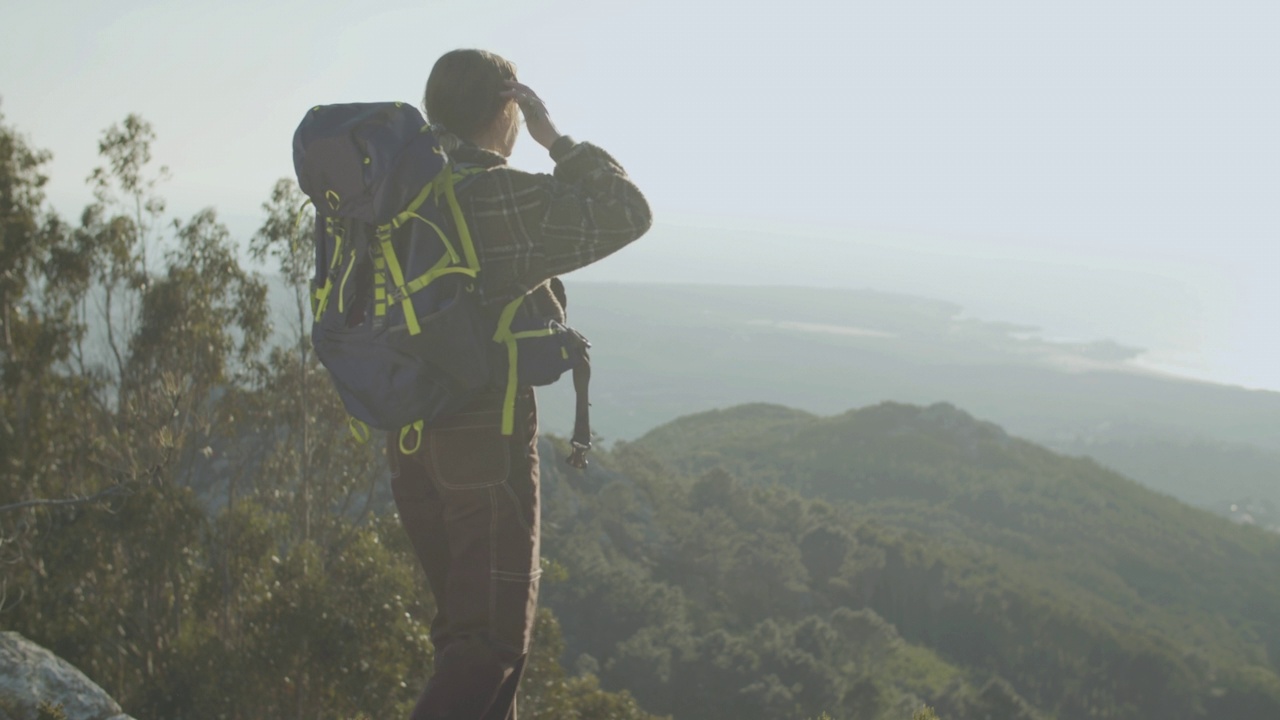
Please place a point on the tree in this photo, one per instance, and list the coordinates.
(41, 273)
(120, 225)
(183, 514)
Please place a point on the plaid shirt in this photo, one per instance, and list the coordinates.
(530, 227)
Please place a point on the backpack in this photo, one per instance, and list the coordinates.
(397, 319)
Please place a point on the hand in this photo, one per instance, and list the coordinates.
(536, 118)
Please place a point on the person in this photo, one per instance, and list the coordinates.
(468, 496)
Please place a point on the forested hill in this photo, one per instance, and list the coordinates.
(721, 556)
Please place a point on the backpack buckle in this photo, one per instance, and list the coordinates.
(578, 458)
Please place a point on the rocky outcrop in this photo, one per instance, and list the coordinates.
(31, 675)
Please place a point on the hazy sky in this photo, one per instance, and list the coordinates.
(1099, 168)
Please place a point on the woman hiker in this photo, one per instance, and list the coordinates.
(468, 497)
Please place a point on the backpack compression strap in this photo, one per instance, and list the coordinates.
(321, 298)
(581, 379)
(385, 259)
(505, 336)
(441, 185)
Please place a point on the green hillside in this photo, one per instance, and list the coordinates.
(992, 566)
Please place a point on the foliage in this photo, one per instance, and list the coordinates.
(697, 597)
(1030, 579)
(184, 516)
(183, 513)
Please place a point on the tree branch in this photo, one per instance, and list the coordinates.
(113, 490)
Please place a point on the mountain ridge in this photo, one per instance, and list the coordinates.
(666, 351)
(999, 555)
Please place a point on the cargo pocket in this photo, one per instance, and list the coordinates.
(469, 451)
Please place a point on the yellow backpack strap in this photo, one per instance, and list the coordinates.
(440, 268)
(448, 246)
(322, 293)
(359, 430)
(405, 288)
(379, 281)
(415, 428)
(507, 337)
(447, 180)
(402, 294)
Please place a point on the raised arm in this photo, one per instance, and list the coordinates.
(589, 208)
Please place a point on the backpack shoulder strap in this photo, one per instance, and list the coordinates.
(448, 181)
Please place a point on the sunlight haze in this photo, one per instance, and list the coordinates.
(1096, 169)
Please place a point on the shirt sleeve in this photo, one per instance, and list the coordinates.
(588, 209)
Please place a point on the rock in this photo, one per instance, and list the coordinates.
(30, 675)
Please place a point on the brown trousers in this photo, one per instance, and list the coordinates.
(468, 498)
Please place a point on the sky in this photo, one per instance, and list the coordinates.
(1099, 169)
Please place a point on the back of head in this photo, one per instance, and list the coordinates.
(463, 93)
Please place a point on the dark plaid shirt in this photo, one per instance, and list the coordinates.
(530, 227)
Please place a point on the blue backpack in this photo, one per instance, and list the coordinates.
(397, 320)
